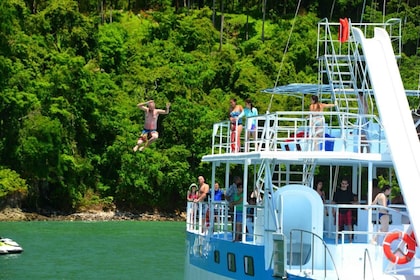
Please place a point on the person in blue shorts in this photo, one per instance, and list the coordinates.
(149, 133)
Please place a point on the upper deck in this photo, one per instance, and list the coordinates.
(326, 137)
(350, 133)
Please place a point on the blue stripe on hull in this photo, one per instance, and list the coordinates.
(201, 254)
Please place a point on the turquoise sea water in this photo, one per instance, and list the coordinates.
(95, 250)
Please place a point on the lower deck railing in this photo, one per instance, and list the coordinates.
(221, 221)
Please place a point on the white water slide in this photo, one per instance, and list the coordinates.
(396, 118)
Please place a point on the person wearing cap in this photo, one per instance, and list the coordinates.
(192, 195)
(192, 192)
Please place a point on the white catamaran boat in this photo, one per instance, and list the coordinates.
(295, 235)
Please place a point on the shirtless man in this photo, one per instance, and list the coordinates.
(149, 133)
(203, 189)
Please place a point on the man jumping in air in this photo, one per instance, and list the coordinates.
(149, 133)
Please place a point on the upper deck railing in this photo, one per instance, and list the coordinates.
(342, 65)
(329, 41)
(304, 132)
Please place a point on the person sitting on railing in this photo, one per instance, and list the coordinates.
(317, 120)
(382, 200)
(235, 125)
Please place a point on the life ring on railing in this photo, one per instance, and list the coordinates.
(410, 242)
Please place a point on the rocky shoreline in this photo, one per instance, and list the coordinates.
(16, 214)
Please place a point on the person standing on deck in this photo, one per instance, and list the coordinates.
(233, 188)
(343, 195)
(217, 192)
(235, 126)
(251, 124)
(319, 189)
(317, 106)
(218, 195)
(149, 133)
(192, 194)
(203, 193)
(203, 190)
(317, 120)
(239, 206)
(250, 211)
(382, 199)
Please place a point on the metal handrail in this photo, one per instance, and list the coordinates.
(359, 206)
(366, 254)
(275, 130)
(326, 250)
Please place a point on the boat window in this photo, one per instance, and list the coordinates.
(249, 265)
(231, 262)
(217, 256)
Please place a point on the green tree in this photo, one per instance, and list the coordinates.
(13, 189)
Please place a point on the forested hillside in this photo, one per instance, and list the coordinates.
(72, 73)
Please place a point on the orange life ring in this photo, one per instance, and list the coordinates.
(413, 236)
(410, 244)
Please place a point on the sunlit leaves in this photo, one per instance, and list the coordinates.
(12, 188)
(112, 53)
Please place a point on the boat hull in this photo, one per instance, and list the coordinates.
(214, 258)
(8, 246)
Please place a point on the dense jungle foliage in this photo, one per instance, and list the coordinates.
(72, 73)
